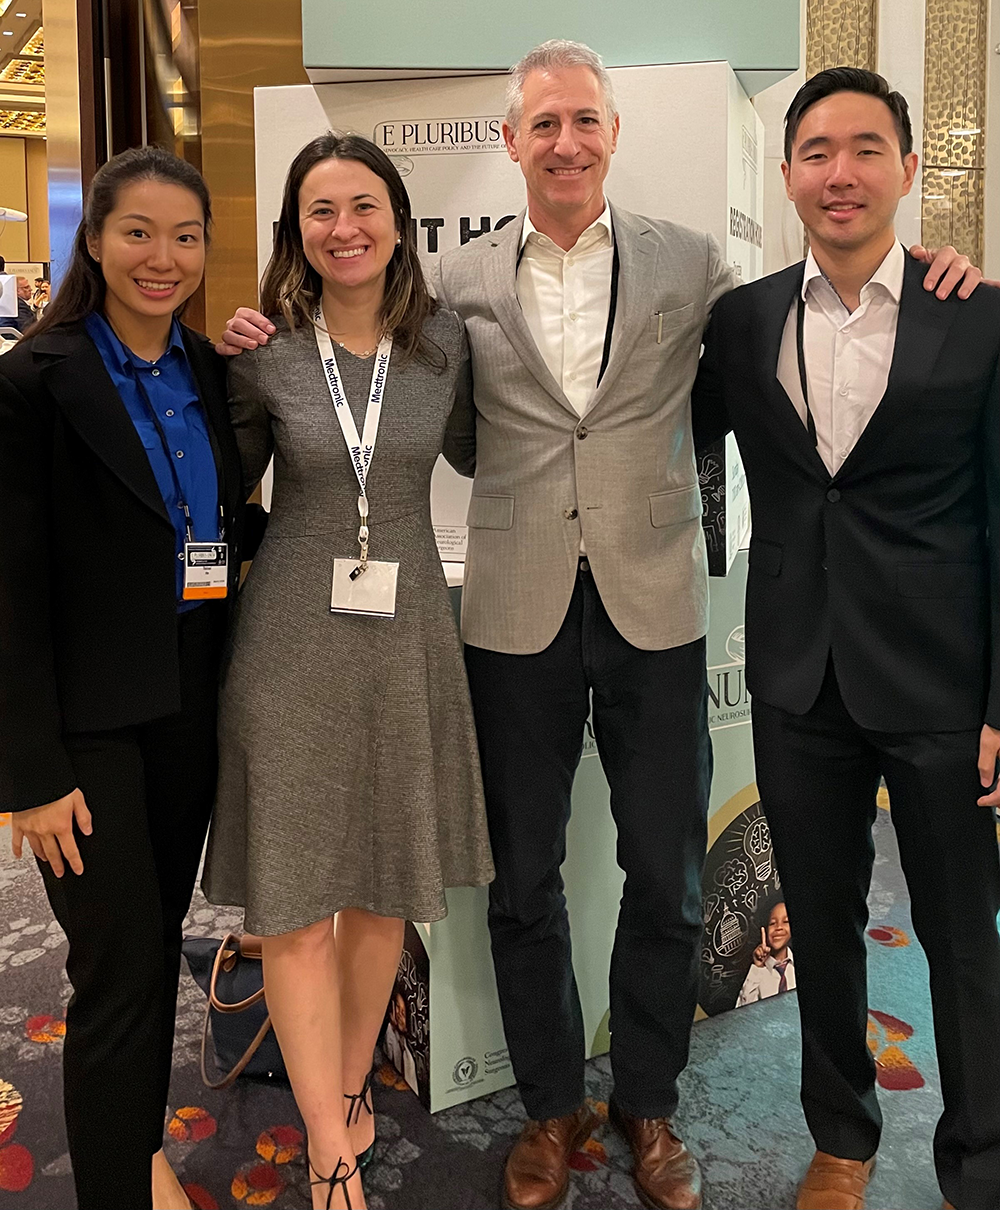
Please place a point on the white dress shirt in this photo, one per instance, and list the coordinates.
(565, 298)
(847, 354)
(762, 982)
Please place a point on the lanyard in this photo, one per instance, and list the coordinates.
(612, 306)
(181, 501)
(361, 449)
(800, 323)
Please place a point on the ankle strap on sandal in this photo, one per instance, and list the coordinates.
(335, 1180)
(357, 1099)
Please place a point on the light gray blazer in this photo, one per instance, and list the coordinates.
(623, 476)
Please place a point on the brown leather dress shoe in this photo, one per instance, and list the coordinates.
(666, 1174)
(835, 1184)
(536, 1176)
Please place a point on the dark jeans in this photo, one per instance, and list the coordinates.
(818, 776)
(150, 790)
(650, 723)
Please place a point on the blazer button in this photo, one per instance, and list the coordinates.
(582, 431)
(833, 495)
(570, 514)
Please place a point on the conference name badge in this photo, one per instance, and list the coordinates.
(206, 571)
(367, 588)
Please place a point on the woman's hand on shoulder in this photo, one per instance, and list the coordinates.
(49, 831)
(246, 330)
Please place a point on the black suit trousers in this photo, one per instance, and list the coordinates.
(150, 790)
(818, 775)
(651, 727)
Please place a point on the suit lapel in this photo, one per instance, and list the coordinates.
(500, 272)
(80, 384)
(638, 256)
(921, 329)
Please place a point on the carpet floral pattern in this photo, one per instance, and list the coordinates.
(244, 1146)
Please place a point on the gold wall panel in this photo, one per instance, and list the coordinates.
(14, 236)
(954, 125)
(841, 33)
(37, 165)
(243, 44)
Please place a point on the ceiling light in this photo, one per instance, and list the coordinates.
(7, 33)
(20, 14)
(953, 171)
(934, 197)
(961, 134)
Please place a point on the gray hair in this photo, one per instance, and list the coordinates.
(557, 52)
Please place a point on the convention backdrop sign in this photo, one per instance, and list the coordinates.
(691, 149)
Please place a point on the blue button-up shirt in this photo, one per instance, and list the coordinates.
(171, 391)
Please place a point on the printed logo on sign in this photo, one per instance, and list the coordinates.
(438, 136)
(736, 646)
(728, 698)
(403, 164)
(465, 1071)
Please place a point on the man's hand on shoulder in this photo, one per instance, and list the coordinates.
(246, 330)
(948, 268)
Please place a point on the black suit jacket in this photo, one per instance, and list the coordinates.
(88, 613)
(893, 564)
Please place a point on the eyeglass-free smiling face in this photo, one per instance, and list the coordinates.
(847, 173)
(347, 223)
(151, 250)
(565, 139)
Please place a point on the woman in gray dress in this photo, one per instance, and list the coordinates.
(349, 793)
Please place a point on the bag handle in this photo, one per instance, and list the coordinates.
(230, 947)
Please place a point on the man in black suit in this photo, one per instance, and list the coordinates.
(868, 415)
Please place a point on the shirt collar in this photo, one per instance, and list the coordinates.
(107, 341)
(770, 963)
(529, 228)
(889, 274)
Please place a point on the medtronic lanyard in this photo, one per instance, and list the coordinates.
(181, 502)
(362, 449)
(800, 323)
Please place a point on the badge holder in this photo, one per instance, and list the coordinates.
(206, 571)
(364, 586)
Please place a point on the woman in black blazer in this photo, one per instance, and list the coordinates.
(119, 492)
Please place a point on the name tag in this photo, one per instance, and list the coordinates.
(206, 570)
(370, 592)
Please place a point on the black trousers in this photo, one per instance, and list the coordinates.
(150, 791)
(818, 776)
(651, 726)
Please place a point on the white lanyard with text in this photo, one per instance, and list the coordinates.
(362, 585)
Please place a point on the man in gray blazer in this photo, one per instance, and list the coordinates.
(586, 585)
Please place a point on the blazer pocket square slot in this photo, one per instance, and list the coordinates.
(939, 581)
(671, 508)
(662, 322)
(491, 512)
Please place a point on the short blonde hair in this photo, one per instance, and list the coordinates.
(557, 52)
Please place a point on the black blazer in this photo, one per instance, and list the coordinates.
(88, 626)
(894, 563)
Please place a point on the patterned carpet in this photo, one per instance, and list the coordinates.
(740, 1110)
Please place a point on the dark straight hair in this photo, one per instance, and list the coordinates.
(291, 286)
(82, 289)
(848, 79)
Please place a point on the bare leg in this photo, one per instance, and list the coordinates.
(168, 1193)
(303, 998)
(368, 947)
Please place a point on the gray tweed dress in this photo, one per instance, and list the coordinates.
(349, 774)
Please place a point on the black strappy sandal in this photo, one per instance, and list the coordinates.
(356, 1100)
(334, 1181)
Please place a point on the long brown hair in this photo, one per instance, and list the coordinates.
(82, 289)
(292, 288)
